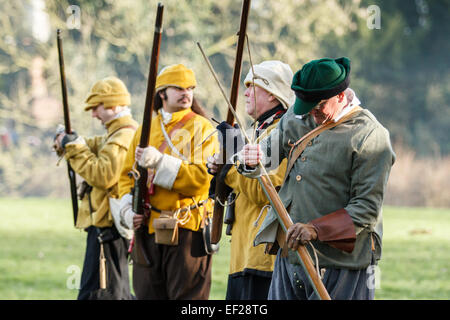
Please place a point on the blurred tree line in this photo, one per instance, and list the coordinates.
(400, 67)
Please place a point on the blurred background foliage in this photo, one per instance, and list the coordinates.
(400, 71)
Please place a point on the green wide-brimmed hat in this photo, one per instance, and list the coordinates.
(319, 80)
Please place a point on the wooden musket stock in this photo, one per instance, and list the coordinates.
(220, 190)
(285, 222)
(140, 189)
(140, 185)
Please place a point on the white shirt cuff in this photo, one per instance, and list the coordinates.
(167, 171)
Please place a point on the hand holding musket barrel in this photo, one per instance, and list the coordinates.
(68, 129)
(220, 189)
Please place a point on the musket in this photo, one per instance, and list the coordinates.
(285, 222)
(140, 184)
(220, 189)
(140, 189)
(282, 215)
(68, 129)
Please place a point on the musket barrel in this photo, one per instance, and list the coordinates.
(141, 184)
(63, 82)
(217, 220)
(238, 62)
(68, 128)
(151, 81)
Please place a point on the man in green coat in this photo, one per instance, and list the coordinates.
(334, 189)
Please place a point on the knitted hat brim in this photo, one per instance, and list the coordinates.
(303, 107)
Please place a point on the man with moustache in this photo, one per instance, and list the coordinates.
(268, 96)
(174, 264)
(334, 186)
(98, 160)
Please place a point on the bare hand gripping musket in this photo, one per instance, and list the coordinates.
(68, 129)
(220, 190)
(283, 216)
(140, 184)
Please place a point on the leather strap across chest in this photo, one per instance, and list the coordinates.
(161, 148)
(300, 145)
(180, 124)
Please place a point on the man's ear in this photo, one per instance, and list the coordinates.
(162, 94)
(341, 96)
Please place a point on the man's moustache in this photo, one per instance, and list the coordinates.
(182, 98)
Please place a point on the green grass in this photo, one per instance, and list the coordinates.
(39, 244)
(416, 254)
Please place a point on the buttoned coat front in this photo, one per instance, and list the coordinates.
(346, 167)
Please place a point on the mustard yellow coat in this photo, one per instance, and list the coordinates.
(248, 205)
(98, 161)
(182, 180)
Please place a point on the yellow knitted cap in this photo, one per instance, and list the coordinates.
(176, 75)
(110, 91)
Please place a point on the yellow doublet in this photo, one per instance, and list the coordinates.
(248, 206)
(192, 179)
(98, 161)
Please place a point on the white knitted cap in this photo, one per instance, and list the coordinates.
(275, 77)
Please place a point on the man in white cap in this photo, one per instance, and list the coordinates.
(268, 96)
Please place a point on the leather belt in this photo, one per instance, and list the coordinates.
(182, 210)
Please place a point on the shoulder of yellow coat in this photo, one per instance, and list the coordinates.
(207, 129)
(123, 132)
(123, 137)
(205, 124)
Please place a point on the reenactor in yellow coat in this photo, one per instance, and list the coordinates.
(98, 160)
(176, 265)
(250, 267)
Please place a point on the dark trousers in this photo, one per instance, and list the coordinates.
(289, 282)
(181, 272)
(117, 278)
(247, 287)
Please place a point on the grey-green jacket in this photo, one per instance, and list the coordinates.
(346, 167)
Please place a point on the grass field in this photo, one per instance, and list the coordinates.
(42, 254)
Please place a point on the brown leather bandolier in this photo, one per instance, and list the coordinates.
(300, 145)
(180, 124)
(166, 226)
(296, 150)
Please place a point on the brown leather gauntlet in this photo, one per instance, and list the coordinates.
(337, 230)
